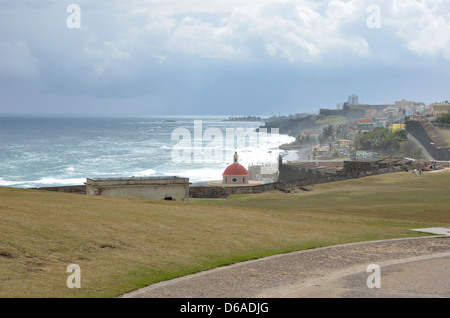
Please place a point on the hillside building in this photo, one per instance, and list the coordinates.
(441, 109)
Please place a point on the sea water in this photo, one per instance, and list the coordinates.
(43, 151)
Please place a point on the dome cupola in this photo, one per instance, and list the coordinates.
(235, 173)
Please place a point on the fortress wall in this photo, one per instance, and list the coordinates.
(441, 125)
(79, 189)
(430, 138)
(298, 177)
(211, 192)
(443, 163)
(208, 192)
(156, 188)
(174, 192)
(331, 112)
(292, 173)
(218, 192)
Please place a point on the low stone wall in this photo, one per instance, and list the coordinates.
(339, 176)
(339, 170)
(443, 163)
(209, 192)
(310, 178)
(441, 125)
(79, 189)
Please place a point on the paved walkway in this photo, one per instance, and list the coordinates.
(418, 267)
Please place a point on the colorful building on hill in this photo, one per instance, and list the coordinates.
(441, 109)
(364, 124)
(396, 127)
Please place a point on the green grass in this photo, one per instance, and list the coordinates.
(331, 120)
(122, 244)
(445, 133)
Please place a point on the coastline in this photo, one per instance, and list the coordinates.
(55, 169)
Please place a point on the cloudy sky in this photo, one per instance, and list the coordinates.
(224, 57)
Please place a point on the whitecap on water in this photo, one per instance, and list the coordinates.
(43, 182)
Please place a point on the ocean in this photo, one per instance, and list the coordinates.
(44, 151)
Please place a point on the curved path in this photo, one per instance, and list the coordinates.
(415, 267)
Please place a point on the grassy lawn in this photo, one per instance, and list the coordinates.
(122, 244)
(445, 133)
(331, 120)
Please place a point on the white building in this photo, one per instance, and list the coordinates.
(353, 99)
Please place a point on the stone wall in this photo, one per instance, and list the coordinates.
(354, 112)
(324, 170)
(430, 138)
(78, 189)
(331, 112)
(308, 170)
(299, 175)
(208, 192)
(309, 177)
(441, 125)
(156, 188)
(443, 163)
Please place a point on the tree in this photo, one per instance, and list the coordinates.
(382, 140)
(327, 132)
(411, 150)
(444, 118)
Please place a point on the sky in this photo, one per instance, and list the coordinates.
(219, 57)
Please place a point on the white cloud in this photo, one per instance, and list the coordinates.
(127, 35)
(293, 30)
(423, 26)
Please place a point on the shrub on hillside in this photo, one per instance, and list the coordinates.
(444, 118)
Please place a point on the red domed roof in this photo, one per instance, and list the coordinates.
(235, 169)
